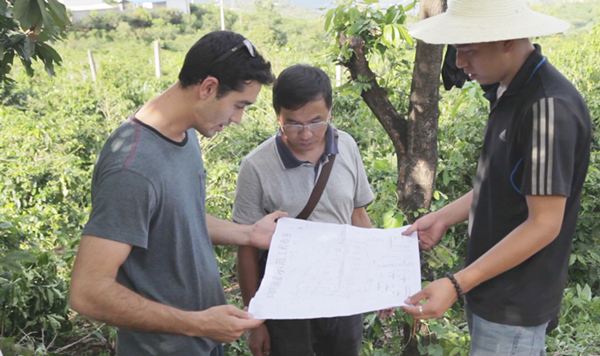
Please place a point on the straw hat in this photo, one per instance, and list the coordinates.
(474, 21)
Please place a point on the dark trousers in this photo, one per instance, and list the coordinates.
(340, 336)
(218, 351)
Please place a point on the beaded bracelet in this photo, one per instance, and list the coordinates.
(459, 291)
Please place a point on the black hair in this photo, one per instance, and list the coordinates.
(233, 72)
(300, 84)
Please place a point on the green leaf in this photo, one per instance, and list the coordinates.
(354, 14)
(572, 259)
(436, 195)
(585, 293)
(59, 11)
(340, 16)
(404, 34)
(392, 221)
(20, 8)
(46, 16)
(382, 165)
(388, 35)
(355, 28)
(445, 177)
(30, 16)
(391, 15)
(410, 6)
(328, 19)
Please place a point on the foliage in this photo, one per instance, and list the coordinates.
(380, 30)
(25, 28)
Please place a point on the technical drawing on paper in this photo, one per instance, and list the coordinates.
(325, 270)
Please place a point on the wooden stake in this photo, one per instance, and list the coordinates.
(92, 64)
(157, 59)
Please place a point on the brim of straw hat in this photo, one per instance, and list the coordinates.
(451, 28)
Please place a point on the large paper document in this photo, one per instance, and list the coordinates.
(317, 270)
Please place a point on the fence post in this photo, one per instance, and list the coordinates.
(338, 75)
(92, 64)
(222, 17)
(157, 59)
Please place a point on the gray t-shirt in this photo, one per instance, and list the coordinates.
(149, 191)
(269, 180)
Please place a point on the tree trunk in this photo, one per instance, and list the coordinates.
(414, 138)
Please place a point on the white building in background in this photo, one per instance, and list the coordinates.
(181, 5)
(81, 9)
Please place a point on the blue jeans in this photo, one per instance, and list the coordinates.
(492, 339)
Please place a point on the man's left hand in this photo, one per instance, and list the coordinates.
(263, 230)
(439, 296)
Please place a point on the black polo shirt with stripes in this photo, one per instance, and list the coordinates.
(537, 142)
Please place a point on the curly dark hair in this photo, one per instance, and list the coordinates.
(233, 72)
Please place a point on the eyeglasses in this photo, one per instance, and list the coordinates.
(294, 128)
(246, 42)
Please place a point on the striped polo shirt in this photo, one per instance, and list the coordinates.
(537, 142)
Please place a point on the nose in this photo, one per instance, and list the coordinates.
(237, 118)
(305, 133)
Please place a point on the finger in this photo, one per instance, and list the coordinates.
(415, 312)
(250, 323)
(255, 349)
(267, 345)
(238, 313)
(278, 214)
(424, 245)
(391, 312)
(412, 228)
(416, 298)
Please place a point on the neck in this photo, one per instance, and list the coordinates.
(521, 51)
(168, 113)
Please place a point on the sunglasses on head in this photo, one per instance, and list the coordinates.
(246, 42)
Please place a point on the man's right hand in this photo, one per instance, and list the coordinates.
(259, 341)
(430, 228)
(226, 323)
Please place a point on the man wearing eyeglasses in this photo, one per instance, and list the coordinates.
(280, 174)
(145, 262)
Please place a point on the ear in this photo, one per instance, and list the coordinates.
(509, 45)
(208, 87)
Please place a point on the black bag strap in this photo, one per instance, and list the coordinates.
(317, 191)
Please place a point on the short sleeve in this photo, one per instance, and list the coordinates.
(248, 207)
(548, 139)
(123, 203)
(363, 195)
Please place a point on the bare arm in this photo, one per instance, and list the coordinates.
(433, 226)
(96, 293)
(247, 269)
(259, 235)
(540, 229)
(361, 218)
(457, 211)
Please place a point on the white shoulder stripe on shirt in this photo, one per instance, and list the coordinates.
(542, 147)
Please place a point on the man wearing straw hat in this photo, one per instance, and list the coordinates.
(522, 211)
